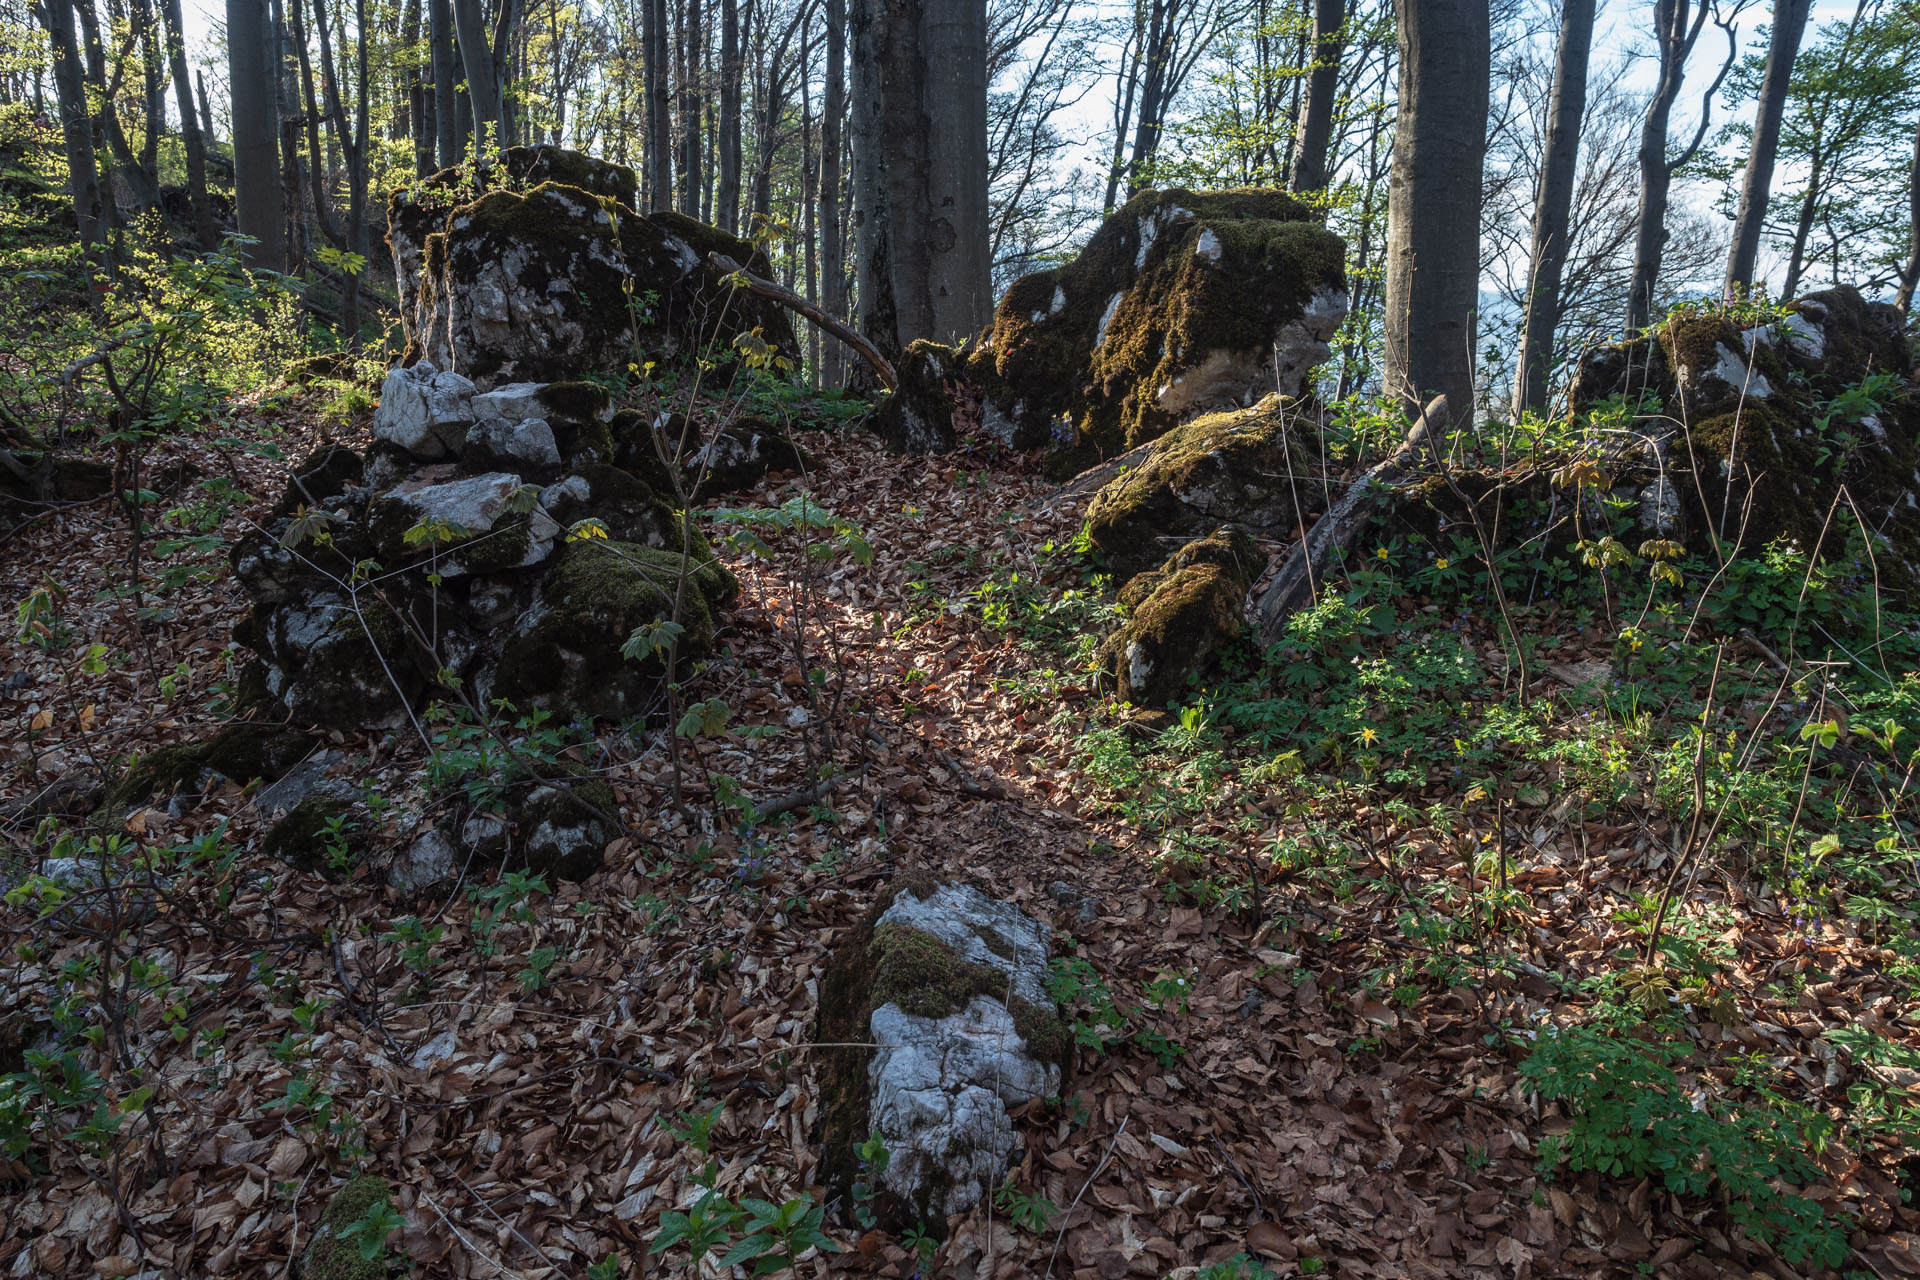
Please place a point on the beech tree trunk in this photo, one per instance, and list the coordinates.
(257, 202)
(653, 14)
(476, 59)
(76, 129)
(1433, 202)
(732, 68)
(920, 169)
(1323, 85)
(1783, 46)
(1677, 26)
(205, 229)
(206, 109)
(690, 109)
(833, 252)
(1553, 206)
(446, 114)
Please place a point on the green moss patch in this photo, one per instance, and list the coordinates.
(597, 594)
(320, 835)
(1179, 616)
(1172, 275)
(333, 1255)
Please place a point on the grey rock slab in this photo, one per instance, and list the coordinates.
(423, 410)
(981, 930)
(942, 1088)
(275, 800)
(515, 402)
(475, 506)
(527, 441)
(430, 862)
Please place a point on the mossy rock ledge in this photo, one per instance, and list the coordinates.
(1181, 303)
(1243, 467)
(950, 985)
(542, 267)
(1180, 615)
(1756, 439)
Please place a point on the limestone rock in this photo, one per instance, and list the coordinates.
(950, 985)
(524, 447)
(564, 827)
(1242, 467)
(1757, 430)
(485, 520)
(430, 861)
(561, 275)
(564, 653)
(1182, 302)
(1179, 616)
(423, 410)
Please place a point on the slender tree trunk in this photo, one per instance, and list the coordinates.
(1677, 26)
(206, 109)
(153, 99)
(140, 180)
(258, 206)
(1323, 85)
(1789, 21)
(446, 114)
(483, 92)
(874, 58)
(1553, 206)
(731, 71)
(1910, 278)
(76, 130)
(833, 253)
(659, 113)
(500, 66)
(1433, 221)
(205, 228)
(690, 108)
(1803, 225)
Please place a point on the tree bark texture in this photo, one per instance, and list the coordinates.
(259, 208)
(833, 251)
(1783, 46)
(446, 114)
(1433, 219)
(205, 229)
(1323, 85)
(70, 94)
(1553, 206)
(920, 169)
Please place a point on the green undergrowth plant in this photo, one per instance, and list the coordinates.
(1642, 1108)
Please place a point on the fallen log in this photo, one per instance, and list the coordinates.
(821, 320)
(1325, 545)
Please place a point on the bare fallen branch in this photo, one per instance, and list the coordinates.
(821, 320)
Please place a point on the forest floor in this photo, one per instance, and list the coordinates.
(1309, 1060)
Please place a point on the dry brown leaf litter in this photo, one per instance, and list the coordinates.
(528, 1134)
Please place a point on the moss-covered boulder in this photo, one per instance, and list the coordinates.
(243, 753)
(542, 267)
(1179, 615)
(334, 1251)
(949, 984)
(1246, 467)
(565, 653)
(563, 827)
(932, 398)
(325, 834)
(715, 459)
(630, 508)
(1756, 432)
(1182, 302)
